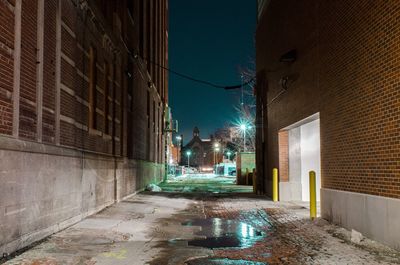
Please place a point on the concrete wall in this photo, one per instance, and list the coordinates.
(244, 161)
(376, 217)
(45, 189)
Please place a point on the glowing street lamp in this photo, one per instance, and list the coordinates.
(243, 127)
(216, 150)
(188, 154)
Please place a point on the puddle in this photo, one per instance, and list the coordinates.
(222, 233)
(212, 261)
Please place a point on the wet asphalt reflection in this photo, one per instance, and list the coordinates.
(222, 233)
(210, 261)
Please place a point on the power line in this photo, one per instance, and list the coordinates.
(191, 78)
(199, 80)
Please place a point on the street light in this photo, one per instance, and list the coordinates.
(216, 149)
(179, 144)
(188, 153)
(244, 127)
(229, 155)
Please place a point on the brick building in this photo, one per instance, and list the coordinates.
(203, 151)
(82, 101)
(328, 99)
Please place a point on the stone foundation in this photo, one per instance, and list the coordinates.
(375, 217)
(48, 188)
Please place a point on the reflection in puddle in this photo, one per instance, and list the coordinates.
(211, 261)
(222, 233)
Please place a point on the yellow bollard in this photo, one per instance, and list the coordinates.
(275, 184)
(313, 195)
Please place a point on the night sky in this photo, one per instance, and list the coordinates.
(210, 40)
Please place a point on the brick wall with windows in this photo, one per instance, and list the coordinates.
(7, 24)
(80, 109)
(347, 70)
(81, 100)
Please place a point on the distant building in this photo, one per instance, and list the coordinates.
(82, 105)
(202, 152)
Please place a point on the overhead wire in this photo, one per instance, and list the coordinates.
(191, 78)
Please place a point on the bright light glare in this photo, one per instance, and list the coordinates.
(178, 138)
(244, 230)
(243, 127)
(216, 145)
(188, 153)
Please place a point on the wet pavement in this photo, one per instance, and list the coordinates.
(222, 233)
(213, 261)
(209, 183)
(196, 228)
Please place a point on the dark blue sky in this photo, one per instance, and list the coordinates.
(210, 40)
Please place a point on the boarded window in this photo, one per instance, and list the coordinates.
(106, 99)
(92, 88)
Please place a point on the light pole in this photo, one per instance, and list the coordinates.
(216, 146)
(229, 155)
(188, 153)
(179, 139)
(243, 127)
(216, 154)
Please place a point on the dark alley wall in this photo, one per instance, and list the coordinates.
(81, 109)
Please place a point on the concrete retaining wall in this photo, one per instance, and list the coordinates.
(374, 216)
(42, 193)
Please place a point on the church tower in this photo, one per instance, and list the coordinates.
(196, 132)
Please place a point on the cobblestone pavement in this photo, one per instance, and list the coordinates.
(292, 238)
(160, 229)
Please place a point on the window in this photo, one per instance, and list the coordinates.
(92, 87)
(148, 109)
(130, 85)
(154, 116)
(106, 100)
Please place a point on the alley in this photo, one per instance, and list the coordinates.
(203, 228)
(167, 132)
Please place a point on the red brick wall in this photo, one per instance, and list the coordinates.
(283, 156)
(347, 70)
(6, 67)
(77, 35)
(49, 81)
(27, 104)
